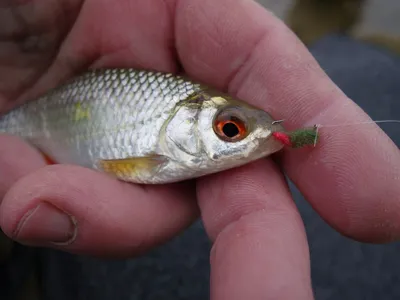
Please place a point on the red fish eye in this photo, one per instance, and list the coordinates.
(229, 127)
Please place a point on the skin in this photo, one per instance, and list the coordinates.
(260, 249)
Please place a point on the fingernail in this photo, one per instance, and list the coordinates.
(46, 224)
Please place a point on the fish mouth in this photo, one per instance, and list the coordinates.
(270, 145)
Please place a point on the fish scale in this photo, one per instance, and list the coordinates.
(109, 98)
(140, 126)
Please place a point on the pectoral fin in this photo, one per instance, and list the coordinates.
(132, 167)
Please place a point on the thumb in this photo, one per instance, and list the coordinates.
(83, 211)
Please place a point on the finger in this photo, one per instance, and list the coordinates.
(351, 178)
(17, 159)
(83, 211)
(138, 34)
(80, 210)
(260, 249)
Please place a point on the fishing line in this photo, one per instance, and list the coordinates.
(318, 126)
(360, 123)
(309, 136)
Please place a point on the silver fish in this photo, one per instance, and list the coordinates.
(143, 126)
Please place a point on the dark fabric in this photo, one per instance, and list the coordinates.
(178, 270)
(341, 268)
(15, 271)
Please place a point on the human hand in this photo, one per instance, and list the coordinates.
(260, 249)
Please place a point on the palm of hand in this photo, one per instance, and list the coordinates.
(48, 42)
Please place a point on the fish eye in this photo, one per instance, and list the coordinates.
(229, 126)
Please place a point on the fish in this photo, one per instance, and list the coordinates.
(144, 126)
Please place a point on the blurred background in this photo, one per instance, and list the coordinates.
(377, 21)
(357, 44)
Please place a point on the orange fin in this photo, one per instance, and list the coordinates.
(132, 166)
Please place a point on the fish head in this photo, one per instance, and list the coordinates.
(212, 131)
(234, 132)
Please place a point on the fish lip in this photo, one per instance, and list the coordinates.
(269, 144)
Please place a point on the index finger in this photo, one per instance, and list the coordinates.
(260, 247)
(351, 178)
